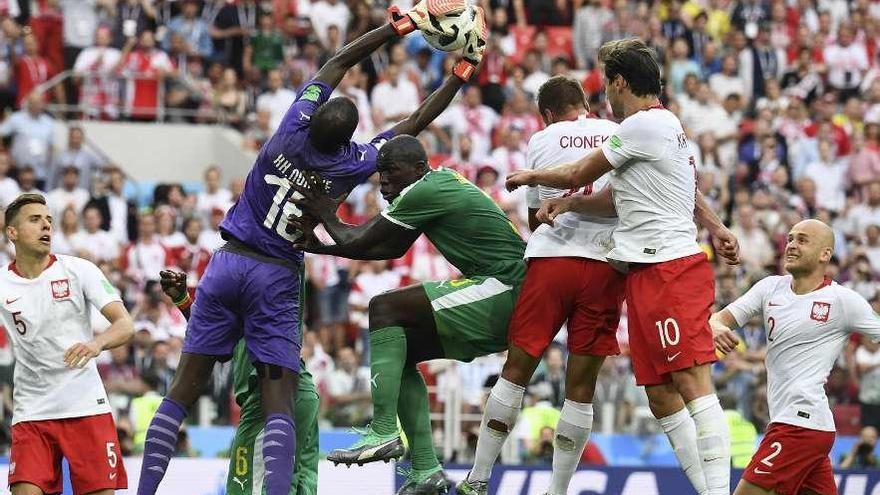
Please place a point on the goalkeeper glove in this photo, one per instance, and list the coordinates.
(418, 17)
(473, 50)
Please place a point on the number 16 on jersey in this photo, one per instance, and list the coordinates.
(281, 208)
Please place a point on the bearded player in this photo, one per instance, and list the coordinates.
(60, 407)
(670, 286)
(252, 286)
(808, 319)
(568, 281)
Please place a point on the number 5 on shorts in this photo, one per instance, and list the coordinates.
(669, 332)
(111, 455)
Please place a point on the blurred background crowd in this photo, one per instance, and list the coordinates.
(780, 100)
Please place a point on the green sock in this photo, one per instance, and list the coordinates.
(416, 420)
(387, 356)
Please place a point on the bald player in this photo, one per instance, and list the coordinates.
(809, 318)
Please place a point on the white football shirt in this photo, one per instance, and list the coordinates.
(654, 187)
(572, 234)
(43, 318)
(805, 335)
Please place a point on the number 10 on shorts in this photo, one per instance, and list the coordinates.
(669, 332)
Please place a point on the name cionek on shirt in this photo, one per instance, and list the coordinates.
(582, 142)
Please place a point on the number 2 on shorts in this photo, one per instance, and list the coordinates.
(777, 448)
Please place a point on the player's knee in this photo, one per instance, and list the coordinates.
(580, 392)
(269, 371)
(382, 312)
(663, 400)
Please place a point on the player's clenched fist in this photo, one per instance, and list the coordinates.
(79, 354)
(419, 17)
(725, 338)
(519, 178)
(552, 208)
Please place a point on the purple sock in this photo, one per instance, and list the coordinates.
(160, 444)
(279, 444)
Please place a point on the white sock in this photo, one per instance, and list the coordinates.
(713, 442)
(504, 404)
(682, 434)
(572, 433)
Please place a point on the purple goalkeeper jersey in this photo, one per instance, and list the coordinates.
(259, 217)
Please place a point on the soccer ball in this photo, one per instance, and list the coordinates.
(457, 27)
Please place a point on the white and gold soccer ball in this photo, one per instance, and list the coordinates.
(456, 28)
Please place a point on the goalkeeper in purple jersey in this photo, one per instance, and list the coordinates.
(252, 286)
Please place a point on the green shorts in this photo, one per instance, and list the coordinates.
(246, 469)
(472, 315)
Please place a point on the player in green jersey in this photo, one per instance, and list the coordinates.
(454, 319)
(246, 468)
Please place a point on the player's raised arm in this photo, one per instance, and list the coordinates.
(600, 204)
(569, 176)
(726, 244)
(440, 99)
(377, 239)
(399, 25)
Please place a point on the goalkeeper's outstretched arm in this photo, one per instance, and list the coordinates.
(334, 70)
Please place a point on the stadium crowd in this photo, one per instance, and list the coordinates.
(780, 100)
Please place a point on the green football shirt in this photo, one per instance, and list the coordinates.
(465, 225)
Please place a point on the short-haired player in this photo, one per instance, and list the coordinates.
(568, 281)
(808, 319)
(60, 407)
(670, 286)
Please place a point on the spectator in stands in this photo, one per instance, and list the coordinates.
(760, 62)
(265, 51)
(119, 215)
(144, 66)
(68, 193)
(32, 69)
(190, 257)
(847, 63)
(349, 390)
(552, 375)
(326, 13)
(32, 132)
(862, 455)
(9, 189)
(470, 117)
(728, 81)
(81, 24)
(511, 155)
(520, 114)
(756, 250)
(587, 32)
(214, 195)
(77, 156)
(829, 175)
(67, 225)
(351, 87)
(94, 243)
(120, 376)
(131, 19)
(232, 23)
(867, 362)
(210, 238)
(259, 131)
(143, 408)
(277, 99)
(195, 30)
(229, 100)
(166, 227)
(398, 95)
(142, 260)
(94, 72)
(27, 180)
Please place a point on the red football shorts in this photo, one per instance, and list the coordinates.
(791, 458)
(668, 307)
(89, 443)
(586, 293)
